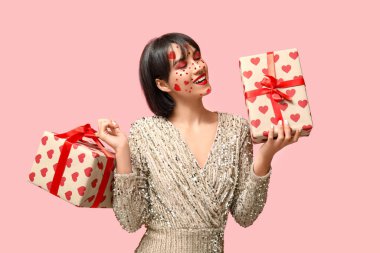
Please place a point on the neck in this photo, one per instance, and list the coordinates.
(190, 113)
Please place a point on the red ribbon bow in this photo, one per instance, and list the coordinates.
(272, 84)
(73, 136)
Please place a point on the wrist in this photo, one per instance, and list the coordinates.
(265, 158)
(121, 149)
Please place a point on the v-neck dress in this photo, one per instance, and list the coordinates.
(184, 207)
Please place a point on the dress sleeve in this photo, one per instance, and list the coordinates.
(251, 190)
(130, 191)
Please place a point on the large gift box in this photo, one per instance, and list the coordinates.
(76, 167)
(274, 89)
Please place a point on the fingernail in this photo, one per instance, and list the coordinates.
(271, 126)
(280, 122)
(286, 122)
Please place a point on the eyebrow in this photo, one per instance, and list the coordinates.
(182, 57)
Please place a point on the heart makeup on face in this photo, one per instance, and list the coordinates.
(185, 73)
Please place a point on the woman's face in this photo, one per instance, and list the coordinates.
(188, 73)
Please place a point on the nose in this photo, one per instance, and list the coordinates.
(199, 67)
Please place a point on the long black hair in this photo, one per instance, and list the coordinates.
(154, 63)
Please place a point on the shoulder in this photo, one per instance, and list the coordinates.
(237, 120)
(143, 121)
(146, 125)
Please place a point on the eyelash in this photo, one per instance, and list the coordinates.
(180, 67)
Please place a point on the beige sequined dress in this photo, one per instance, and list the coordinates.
(183, 206)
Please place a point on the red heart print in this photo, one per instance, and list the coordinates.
(68, 195)
(290, 92)
(274, 120)
(280, 80)
(258, 85)
(251, 99)
(283, 106)
(74, 176)
(38, 158)
(295, 117)
(263, 109)
(247, 74)
(94, 182)
(68, 162)
(276, 57)
(55, 166)
(255, 60)
(91, 198)
(81, 190)
(31, 176)
(298, 77)
(286, 68)
(56, 138)
(255, 123)
(100, 165)
(75, 145)
(48, 185)
(88, 171)
(293, 55)
(302, 103)
(44, 140)
(94, 154)
(81, 157)
(63, 179)
(50, 153)
(43, 172)
(307, 127)
(60, 148)
(177, 87)
(265, 71)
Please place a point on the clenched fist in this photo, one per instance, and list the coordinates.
(109, 132)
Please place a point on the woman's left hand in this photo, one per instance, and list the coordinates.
(284, 138)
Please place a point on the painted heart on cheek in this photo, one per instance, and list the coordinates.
(171, 55)
(177, 87)
(186, 82)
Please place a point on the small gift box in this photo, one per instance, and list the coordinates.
(76, 167)
(274, 89)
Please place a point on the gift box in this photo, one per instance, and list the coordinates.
(274, 89)
(76, 167)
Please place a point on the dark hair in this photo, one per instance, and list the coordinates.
(154, 63)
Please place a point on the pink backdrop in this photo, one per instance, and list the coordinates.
(66, 63)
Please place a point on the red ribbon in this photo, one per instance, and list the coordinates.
(272, 84)
(73, 136)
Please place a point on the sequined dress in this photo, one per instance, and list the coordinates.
(185, 207)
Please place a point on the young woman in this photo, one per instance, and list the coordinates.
(181, 171)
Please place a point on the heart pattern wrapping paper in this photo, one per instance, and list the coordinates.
(274, 89)
(84, 170)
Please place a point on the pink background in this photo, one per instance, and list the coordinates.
(67, 63)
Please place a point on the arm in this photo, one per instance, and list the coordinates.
(130, 191)
(251, 190)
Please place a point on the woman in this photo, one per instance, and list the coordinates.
(181, 171)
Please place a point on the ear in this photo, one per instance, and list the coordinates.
(162, 85)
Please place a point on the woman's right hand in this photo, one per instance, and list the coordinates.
(109, 132)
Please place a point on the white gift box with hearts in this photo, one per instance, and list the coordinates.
(274, 89)
(83, 173)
